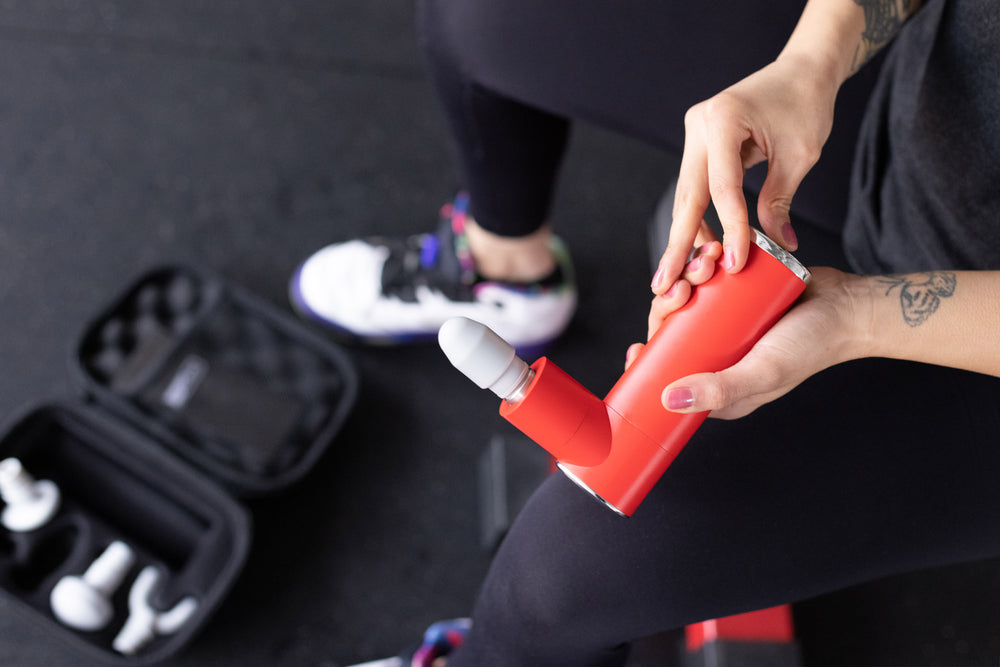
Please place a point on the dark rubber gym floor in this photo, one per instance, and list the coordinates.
(241, 136)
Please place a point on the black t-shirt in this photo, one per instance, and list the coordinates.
(926, 186)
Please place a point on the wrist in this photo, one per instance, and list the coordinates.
(823, 73)
(859, 302)
(826, 39)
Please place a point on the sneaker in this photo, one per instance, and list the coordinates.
(440, 639)
(391, 291)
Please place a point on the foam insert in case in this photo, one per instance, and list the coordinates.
(196, 393)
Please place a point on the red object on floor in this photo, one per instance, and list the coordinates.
(773, 625)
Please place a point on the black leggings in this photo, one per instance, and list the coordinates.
(511, 74)
(896, 472)
(870, 468)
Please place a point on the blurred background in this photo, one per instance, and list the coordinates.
(242, 136)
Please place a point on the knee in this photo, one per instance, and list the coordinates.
(530, 616)
(539, 587)
(541, 602)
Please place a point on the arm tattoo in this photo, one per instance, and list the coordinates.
(920, 294)
(883, 19)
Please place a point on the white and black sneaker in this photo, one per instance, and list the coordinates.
(391, 291)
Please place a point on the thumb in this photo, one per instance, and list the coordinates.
(695, 393)
(728, 394)
(775, 201)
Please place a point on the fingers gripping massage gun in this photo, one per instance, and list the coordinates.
(618, 448)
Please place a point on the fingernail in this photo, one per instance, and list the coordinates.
(672, 291)
(680, 398)
(695, 264)
(631, 352)
(728, 259)
(657, 277)
(787, 233)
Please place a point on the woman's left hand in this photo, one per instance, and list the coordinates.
(822, 329)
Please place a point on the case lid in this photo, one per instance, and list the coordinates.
(225, 381)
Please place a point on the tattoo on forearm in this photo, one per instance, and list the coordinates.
(883, 19)
(920, 294)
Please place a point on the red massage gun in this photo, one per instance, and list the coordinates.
(619, 447)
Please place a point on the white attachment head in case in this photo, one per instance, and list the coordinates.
(144, 622)
(30, 504)
(84, 602)
(483, 356)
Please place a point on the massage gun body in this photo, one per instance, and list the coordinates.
(619, 447)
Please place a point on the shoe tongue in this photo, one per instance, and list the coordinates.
(441, 260)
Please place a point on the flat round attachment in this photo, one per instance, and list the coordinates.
(32, 513)
(79, 606)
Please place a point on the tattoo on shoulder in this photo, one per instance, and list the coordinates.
(883, 19)
(920, 294)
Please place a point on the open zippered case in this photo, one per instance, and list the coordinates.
(195, 394)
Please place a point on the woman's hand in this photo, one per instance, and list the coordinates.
(823, 328)
(698, 270)
(783, 114)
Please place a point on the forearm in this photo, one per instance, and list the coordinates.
(837, 37)
(940, 317)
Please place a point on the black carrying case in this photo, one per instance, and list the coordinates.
(195, 394)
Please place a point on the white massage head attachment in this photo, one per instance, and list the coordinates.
(483, 356)
(30, 504)
(144, 622)
(84, 602)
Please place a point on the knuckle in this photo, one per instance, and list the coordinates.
(766, 378)
(720, 186)
(805, 153)
(714, 394)
(812, 153)
(675, 252)
(739, 386)
(721, 106)
(715, 109)
(683, 200)
(693, 115)
(781, 203)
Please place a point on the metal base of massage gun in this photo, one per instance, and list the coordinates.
(617, 448)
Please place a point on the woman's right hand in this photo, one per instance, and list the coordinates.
(783, 114)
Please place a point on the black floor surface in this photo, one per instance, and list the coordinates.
(241, 136)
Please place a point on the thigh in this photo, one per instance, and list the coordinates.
(636, 67)
(870, 468)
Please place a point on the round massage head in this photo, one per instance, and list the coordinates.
(30, 504)
(84, 602)
(482, 355)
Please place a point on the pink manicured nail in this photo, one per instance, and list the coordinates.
(695, 263)
(672, 291)
(657, 277)
(728, 259)
(631, 352)
(680, 398)
(787, 233)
